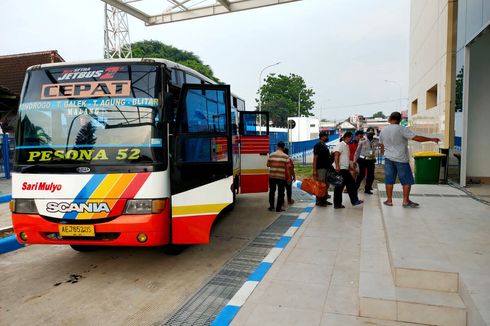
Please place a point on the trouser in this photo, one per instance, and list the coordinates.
(365, 165)
(321, 175)
(350, 184)
(289, 191)
(280, 185)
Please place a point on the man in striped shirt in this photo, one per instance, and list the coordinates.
(278, 164)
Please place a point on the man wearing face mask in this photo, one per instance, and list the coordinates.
(365, 157)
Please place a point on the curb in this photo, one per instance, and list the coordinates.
(9, 244)
(5, 198)
(228, 313)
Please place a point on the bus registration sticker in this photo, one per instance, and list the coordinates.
(77, 230)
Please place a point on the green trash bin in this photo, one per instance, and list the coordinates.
(427, 167)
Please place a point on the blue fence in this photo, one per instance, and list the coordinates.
(6, 155)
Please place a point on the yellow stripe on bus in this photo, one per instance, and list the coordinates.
(255, 171)
(197, 209)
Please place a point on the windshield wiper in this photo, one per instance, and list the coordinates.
(128, 125)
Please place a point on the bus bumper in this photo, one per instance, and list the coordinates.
(122, 231)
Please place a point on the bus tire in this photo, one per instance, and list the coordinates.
(173, 249)
(82, 248)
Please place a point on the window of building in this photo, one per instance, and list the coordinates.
(415, 105)
(431, 97)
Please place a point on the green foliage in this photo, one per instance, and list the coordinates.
(156, 49)
(279, 95)
(379, 114)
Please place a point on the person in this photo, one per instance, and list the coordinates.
(278, 164)
(289, 181)
(394, 146)
(321, 164)
(365, 158)
(342, 154)
(353, 144)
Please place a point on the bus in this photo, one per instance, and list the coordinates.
(136, 152)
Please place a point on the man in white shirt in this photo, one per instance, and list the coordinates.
(342, 167)
(394, 146)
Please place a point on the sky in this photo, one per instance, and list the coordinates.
(346, 50)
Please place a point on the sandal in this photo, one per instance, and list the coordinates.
(387, 203)
(411, 204)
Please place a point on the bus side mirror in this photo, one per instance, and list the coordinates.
(168, 107)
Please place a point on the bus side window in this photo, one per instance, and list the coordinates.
(191, 79)
(204, 126)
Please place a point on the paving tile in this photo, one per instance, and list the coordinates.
(378, 308)
(301, 272)
(431, 315)
(292, 294)
(343, 300)
(324, 242)
(346, 320)
(319, 256)
(377, 286)
(429, 280)
(271, 315)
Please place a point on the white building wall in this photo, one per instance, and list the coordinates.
(478, 153)
(431, 63)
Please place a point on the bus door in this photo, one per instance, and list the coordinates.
(254, 150)
(201, 161)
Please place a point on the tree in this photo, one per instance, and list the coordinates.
(279, 96)
(156, 49)
(379, 114)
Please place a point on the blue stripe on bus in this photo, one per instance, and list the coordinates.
(85, 193)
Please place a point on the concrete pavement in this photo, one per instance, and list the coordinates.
(378, 265)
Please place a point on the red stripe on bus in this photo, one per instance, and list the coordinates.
(131, 191)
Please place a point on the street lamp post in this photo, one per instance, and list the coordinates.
(399, 86)
(299, 114)
(299, 102)
(260, 99)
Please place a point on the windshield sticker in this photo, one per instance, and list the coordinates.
(87, 72)
(86, 89)
(89, 103)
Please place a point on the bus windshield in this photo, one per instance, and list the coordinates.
(93, 114)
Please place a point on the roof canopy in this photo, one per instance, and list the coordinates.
(178, 10)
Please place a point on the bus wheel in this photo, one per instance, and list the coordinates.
(82, 248)
(174, 249)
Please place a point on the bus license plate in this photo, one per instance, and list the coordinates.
(77, 230)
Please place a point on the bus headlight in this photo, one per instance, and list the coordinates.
(144, 206)
(24, 206)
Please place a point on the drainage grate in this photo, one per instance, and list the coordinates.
(203, 306)
(300, 195)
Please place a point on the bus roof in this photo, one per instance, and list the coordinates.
(169, 64)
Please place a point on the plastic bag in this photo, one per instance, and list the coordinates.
(334, 178)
